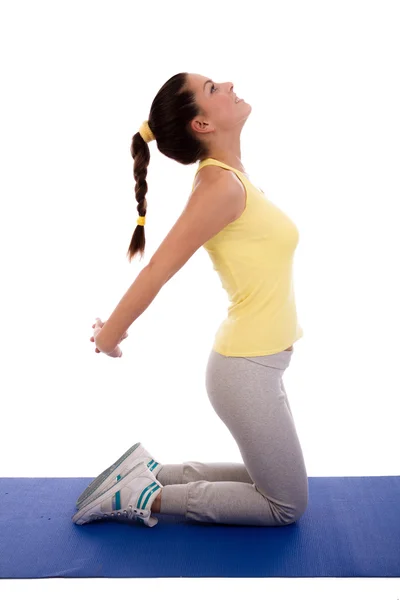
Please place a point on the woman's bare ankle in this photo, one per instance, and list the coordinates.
(156, 506)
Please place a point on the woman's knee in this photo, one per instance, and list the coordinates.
(287, 513)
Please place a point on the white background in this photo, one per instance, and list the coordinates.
(322, 142)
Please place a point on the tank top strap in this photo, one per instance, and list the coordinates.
(218, 163)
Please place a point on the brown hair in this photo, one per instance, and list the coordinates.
(171, 112)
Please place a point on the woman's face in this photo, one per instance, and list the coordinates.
(218, 105)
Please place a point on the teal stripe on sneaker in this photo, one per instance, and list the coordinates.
(152, 464)
(146, 489)
(150, 494)
(117, 497)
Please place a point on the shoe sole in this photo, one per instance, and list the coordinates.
(103, 476)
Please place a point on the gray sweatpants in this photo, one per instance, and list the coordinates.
(271, 487)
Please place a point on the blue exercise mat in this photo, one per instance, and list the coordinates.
(351, 528)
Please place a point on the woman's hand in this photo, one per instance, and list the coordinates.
(116, 353)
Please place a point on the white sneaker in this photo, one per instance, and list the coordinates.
(135, 455)
(128, 499)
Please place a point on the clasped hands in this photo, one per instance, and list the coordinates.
(117, 352)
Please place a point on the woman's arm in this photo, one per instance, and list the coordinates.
(138, 297)
(210, 208)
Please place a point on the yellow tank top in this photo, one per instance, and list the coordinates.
(253, 257)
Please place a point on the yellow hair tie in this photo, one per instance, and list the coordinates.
(141, 220)
(146, 132)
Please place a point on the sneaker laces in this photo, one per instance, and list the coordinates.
(129, 513)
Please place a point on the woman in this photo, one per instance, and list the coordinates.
(251, 243)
